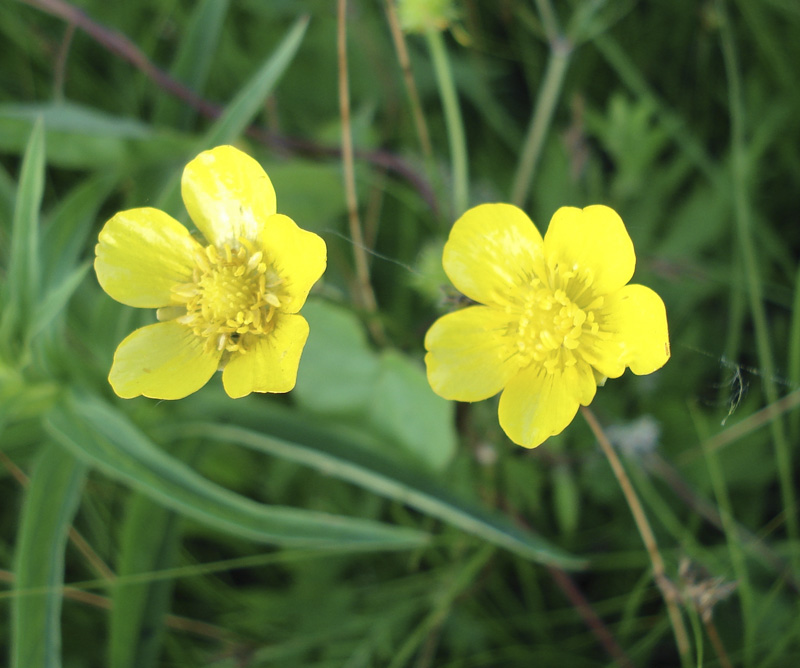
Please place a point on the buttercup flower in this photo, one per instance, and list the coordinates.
(231, 304)
(555, 316)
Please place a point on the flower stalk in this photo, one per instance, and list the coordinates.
(666, 587)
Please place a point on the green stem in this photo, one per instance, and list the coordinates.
(560, 53)
(453, 121)
(742, 211)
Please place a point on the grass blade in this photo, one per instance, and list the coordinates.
(50, 504)
(244, 107)
(23, 263)
(102, 436)
(393, 481)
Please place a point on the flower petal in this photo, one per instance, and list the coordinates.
(142, 254)
(470, 355)
(162, 361)
(271, 366)
(298, 256)
(536, 405)
(492, 249)
(595, 242)
(637, 319)
(228, 195)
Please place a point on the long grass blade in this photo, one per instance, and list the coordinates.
(396, 482)
(50, 503)
(22, 284)
(104, 438)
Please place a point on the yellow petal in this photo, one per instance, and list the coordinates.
(470, 356)
(637, 319)
(143, 253)
(594, 242)
(299, 257)
(271, 366)
(162, 361)
(227, 194)
(492, 249)
(536, 405)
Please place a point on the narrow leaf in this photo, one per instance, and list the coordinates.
(23, 262)
(394, 481)
(50, 503)
(102, 436)
(244, 107)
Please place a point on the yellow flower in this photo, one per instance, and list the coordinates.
(232, 304)
(556, 316)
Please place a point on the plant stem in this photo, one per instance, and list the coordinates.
(560, 52)
(453, 120)
(364, 287)
(659, 572)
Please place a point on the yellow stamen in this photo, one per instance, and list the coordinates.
(232, 298)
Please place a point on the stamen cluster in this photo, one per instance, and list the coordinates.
(233, 294)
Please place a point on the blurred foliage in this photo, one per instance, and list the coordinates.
(361, 520)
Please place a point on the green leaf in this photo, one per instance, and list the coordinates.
(338, 369)
(76, 119)
(341, 376)
(150, 541)
(404, 407)
(22, 285)
(80, 137)
(50, 503)
(389, 479)
(102, 436)
(244, 107)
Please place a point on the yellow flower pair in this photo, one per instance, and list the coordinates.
(555, 315)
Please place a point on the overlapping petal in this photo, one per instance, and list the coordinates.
(271, 366)
(638, 318)
(536, 404)
(162, 361)
(593, 239)
(228, 195)
(299, 257)
(470, 358)
(141, 255)
(492, 250)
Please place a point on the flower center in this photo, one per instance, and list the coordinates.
(552, 326)
(234, 294)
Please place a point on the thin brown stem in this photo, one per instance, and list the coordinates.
(584, 608)
(666, 587)
(716, 641)
(366, 296)
(408, 77)
(589, 616)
